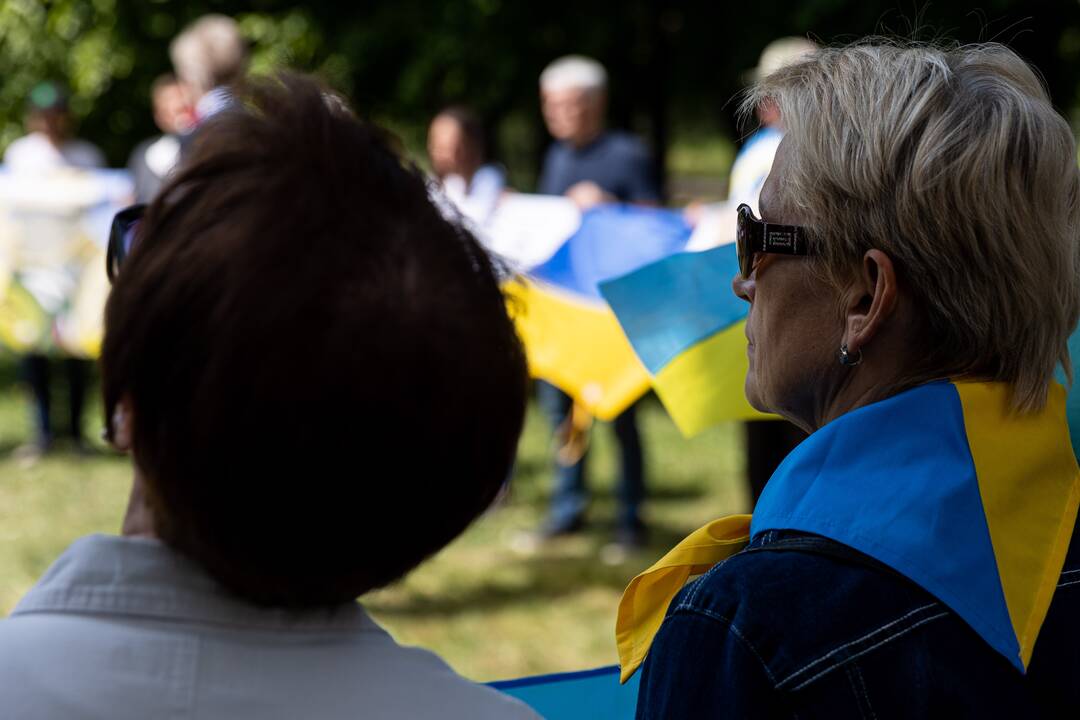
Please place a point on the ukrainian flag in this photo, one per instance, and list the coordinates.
(945, 483)
(688, 329)
(571, 335)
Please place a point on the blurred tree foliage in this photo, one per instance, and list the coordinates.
(675, 66)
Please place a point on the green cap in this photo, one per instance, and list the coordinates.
(48, 96)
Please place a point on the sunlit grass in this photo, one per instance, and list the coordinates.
(491, 610)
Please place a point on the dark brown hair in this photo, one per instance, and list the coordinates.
(325, 383)
(472, 128)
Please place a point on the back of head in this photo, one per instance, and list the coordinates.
(209, 53)
(954, 162)
(325, 385)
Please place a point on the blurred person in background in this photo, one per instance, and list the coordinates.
(209, 56)
(50, 146)
(50, 142)
(768, 442)
(154, 158)
(279, 451)
(590, 164)
(587, 162)
(457, 150)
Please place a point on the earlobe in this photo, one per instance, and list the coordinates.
(122, 425)
(873, 301)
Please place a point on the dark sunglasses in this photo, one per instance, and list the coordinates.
(757, 236)
(122, 238)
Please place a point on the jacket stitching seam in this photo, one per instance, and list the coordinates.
(875, 646)
(856, 641)
(734, 631)
(855, 674)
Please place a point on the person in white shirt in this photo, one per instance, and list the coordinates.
(768, 442)
(49, 143)
(283, 358)
(457, 151)
(48, 148)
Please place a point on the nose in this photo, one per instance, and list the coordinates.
(743, 287)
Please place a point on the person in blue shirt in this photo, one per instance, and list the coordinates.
(591, 165)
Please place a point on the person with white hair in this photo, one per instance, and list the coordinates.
(768, 442)
(587, 162)
(209, 55)
(591, 164)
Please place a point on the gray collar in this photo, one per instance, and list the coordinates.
(108, 575)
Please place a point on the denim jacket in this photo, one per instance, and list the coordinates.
(801, 634)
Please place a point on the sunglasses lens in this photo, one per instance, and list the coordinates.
(122, 238)
(742, 240)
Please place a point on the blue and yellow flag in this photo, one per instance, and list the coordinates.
(944, 483)
(688, 328)
(54, 228)
(571, 336)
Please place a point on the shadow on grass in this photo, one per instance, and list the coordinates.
(548, 576)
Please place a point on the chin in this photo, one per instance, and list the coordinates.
(753, 396)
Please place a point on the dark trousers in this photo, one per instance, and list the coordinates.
(570, 496)
(36, 370)
(768, 442)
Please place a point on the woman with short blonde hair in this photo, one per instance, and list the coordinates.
(912, 284)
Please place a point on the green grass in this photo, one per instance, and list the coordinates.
(491, 610)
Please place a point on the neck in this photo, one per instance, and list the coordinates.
(585, 138)
(848, 388)
(139, 517)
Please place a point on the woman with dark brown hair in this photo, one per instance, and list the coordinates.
(283, 359)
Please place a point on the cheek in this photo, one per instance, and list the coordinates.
(792, 333)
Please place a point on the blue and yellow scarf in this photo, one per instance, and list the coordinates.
(943, 483)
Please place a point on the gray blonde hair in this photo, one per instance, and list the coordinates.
(954, 163)
(209, 52)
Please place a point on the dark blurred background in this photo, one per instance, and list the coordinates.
(675, 67)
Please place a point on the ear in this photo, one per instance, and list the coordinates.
(123, 425)
(871, 300)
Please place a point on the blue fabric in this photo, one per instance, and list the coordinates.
(587, 695)
(915, 493)
(1072, 402)
(616, 161)
(613, 240)
(669, 306)
(770, 634)
(766, 133)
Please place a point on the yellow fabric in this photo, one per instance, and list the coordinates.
(1038, 506)
(78, 328)
(704, 385)
(578, 347)
(24, 326)
(646, 599)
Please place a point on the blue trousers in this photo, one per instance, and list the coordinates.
(36, 371)
(570, 495)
